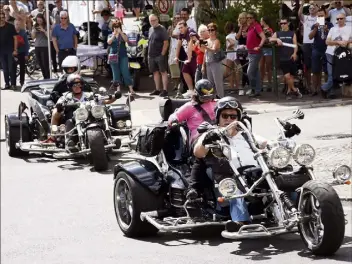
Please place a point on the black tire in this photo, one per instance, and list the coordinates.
(331, 214)
(13, 136)
(96, 143)
(136, 77)
(142, 201)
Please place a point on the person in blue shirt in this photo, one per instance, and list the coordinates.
(319, 34)
(64, 38)
(119, 64)
(22, 53)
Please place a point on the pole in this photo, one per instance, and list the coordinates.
(47, 14)
(88, 23)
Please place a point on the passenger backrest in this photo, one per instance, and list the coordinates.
(167, 106)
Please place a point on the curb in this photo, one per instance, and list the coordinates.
(304, 106)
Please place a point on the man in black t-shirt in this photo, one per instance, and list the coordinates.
(8, 44)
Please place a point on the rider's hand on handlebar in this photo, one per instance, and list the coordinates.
(210, 138)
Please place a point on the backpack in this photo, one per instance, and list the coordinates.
(342, 61)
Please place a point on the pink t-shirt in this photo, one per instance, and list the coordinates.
(253, 38)
(193, 117)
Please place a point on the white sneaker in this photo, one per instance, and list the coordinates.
(187, 94)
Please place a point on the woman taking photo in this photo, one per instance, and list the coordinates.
(211, 66)
(118, 59)
(40, 35)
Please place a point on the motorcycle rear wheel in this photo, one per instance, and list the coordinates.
(323, 226)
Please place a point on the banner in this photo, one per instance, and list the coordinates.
(77, 11)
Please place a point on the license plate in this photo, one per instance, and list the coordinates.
(135, 65)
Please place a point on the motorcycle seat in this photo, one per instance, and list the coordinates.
(40, 97)
(167, 106)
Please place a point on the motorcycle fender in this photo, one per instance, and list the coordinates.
(135, 65)
(14, 121)
(144, 172)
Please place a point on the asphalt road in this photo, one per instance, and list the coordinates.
(62, 211)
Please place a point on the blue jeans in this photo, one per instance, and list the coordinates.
(121, 68)
(253, 72)
(329, 84)
(7, 67)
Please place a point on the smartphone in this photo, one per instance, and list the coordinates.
(321, 21)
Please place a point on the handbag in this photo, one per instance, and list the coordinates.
(219, 56)
(114, 57)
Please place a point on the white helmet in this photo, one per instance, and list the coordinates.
(71, 62)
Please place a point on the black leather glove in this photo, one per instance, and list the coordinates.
(210, 138)
(59, 107)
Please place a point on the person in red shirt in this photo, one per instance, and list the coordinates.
(255, 42)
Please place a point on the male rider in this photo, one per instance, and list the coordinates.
(75, 84)
(198, 110)
(71, 64)
(227, 110)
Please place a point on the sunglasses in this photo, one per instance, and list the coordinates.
(226, 116)
(340, 18)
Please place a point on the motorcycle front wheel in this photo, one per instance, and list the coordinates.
(322, 227)
(96, 143)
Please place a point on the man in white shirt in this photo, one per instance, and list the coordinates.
(308, 22)
(185, 15)
(336, 8)
(340, 35)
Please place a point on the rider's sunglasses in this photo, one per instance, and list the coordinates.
(226, 116)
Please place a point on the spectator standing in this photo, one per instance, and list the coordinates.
(8, 44)
(266, 63)
(185, 15)
(287, 56)
(22, 53)
(242, 54)
(308, 22)
(340, 35)
(231, 58)
(318, 34)
(213, 68)
(255, 42)
(117, 40)
(158, 45)
(40, 35)
(336, 8)
(64, 37)
(189, 68)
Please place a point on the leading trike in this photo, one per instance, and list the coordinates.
(97, 129)
(282, 193)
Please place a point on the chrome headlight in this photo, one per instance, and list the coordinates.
(128, 123)
(98, 111)
(81, 114)
(120, 124)
(279, 157)
(227, 187)
(304, 154)
(342, 173)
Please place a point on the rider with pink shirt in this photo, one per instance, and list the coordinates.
(199, 109)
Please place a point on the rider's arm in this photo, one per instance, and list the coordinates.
(199, 150)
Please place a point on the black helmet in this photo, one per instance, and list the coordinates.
(204, 90)
(71, 80)
(228, 102)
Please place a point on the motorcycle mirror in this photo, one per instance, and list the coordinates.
(298, 114)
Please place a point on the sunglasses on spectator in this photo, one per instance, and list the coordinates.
(340, 18)
(226, 116)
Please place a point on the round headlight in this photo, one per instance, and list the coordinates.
(304, 154)
(128, 123)
(81, 114)
(342, 173)
(279, 157)
(227, 187)
(120, 124)
(98, 111)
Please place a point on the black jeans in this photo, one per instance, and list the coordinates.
(21, 61)
(53, 56)
(64, 53)
(42, 56)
